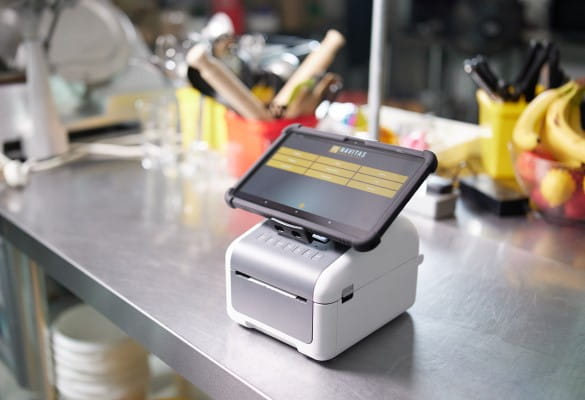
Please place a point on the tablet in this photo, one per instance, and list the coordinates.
(346, 189)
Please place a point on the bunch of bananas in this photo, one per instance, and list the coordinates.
(552, 121)
(550, 142)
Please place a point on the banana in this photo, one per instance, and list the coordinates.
(575, 119)
(527, 130)
(561, 137)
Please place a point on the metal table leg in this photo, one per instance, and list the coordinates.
(22, 283)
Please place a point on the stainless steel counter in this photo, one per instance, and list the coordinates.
(500, 311)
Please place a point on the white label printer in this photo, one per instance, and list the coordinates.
(323, 292)
(321, 297)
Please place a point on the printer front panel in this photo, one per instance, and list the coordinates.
(283, 311)
(272, 279)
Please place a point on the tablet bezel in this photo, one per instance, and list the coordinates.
(361, 242)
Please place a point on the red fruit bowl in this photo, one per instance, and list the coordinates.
(556, 191)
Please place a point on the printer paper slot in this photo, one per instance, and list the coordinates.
(269, 287)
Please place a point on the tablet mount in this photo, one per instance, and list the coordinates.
(296, 232)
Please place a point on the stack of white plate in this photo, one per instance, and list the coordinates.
(94, 359)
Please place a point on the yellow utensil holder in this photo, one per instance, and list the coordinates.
(500, 117)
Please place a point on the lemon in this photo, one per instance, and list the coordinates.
(557, 186)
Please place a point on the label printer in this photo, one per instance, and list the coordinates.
(333, 261)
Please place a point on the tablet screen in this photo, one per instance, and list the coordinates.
(346, 187)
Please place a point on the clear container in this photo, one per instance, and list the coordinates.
(159, 120)
(556, 191)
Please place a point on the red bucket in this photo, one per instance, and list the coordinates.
(248, 139)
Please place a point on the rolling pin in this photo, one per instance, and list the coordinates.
(316, 63)
(226, 84)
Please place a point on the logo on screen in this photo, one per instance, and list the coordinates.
(348, 152)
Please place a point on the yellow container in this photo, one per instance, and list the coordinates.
(214, 126)
(501, 118)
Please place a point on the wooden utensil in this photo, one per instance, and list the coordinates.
(319, 93)
(226, 84)
(316, 63)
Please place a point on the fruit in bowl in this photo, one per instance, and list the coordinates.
(549, 152)
(556, 190)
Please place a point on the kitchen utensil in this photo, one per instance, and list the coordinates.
(489, 76)
(227, 84)
(320, 92)
(295, 107)
(316, 63)
(282, 66)
(526, 85)
(481, 78)
(556, 76)
(535, 47)
(218, 25)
